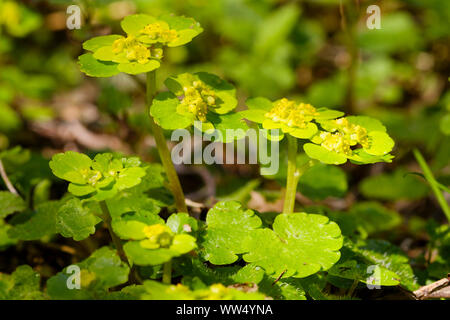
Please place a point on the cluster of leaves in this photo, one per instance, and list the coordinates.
(141, 50)
(333, 142)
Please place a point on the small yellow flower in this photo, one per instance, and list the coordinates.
(291, 114)
(94, 176)
(353, 133)
(121, 44)
(197, 98)
(160, 32)
(335, 142)
(158, 236)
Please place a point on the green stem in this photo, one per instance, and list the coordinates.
(292, 175)
(167, 272)
(163, 150)
(117, 243)
(433, 183)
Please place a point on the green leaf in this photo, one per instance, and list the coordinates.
(187, 28)
(10, 203)
(181, 244)
(42, 223)
(304, 133)
(384, 254)
(164, 111)
(380, 143)
(133, 24)
(22, 284)
(355, 270)
(96, 43)
(259, 103)
(322, 181)
(95, 68)
(75, 221)
(5, 239)
(129, 177)
(371, 124)
(300, 245)
(70, 166)
(136, 67)
(393, 186)
(327, 114)
(101, 271)
(254, 115)
(228, 224)
(130, 225)
(225, 122)
(182, 223)
(320, 153)
(153, 290)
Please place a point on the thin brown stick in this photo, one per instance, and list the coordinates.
(5, 178)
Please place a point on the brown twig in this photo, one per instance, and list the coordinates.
(435, 290)
(5, 178)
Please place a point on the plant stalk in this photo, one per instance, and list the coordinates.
(163, 150)
(117, 243)
(292, 175)
(167, 272)
(433, 183)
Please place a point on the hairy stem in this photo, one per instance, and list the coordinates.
(433, 183)
(163, 150)
(292, 176)
(117, 243)
(5, 178)
(167, 272)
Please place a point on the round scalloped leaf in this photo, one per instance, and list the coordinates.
(94, 68)
(96, 43)
(22, 284)
(70, 165)
(300, 245)
(380, 143)
(164, 111)
(133, 24)
(75, 221)
(136, 67)
(228, 224)
(320, 153)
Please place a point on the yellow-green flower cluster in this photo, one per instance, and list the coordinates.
(135, 51)
(197, 98)
(291, 114)
(342, 135)
(160, 32)
(158, 236)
